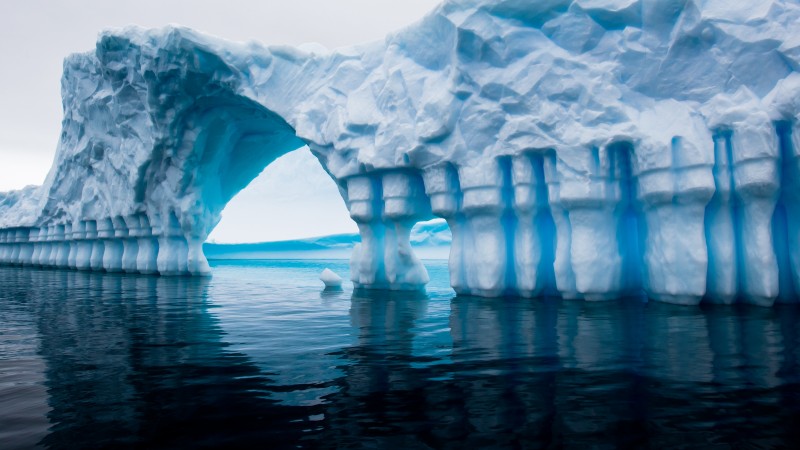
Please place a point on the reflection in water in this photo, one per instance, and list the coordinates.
(140, 361)
(23, 396)
(175, 362)
(550, 373)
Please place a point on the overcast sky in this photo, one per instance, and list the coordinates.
(36, 35)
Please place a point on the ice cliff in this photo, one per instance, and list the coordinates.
(586, 148)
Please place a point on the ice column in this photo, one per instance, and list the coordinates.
(485, 238)
(112, 246)
(534, 238)
(756, 178)
(45, 240)
(366, 264)
(46, 256)
(35, 238)
(722, 284)
(172, 247)
(83, 253)
(790, 146)
(62, 256)
(404, 204)
(562, 263)
(674, 192)
(128, 231)
(26, 249)
(441, 185)
(19, 238)
(147, 255)
(197, 264)
(47, 246)
(5, 247)
(11, 240)
(592, 198)
(37, 246)
(72, 258)
(56, 246)
(385, 206)
(92, 235)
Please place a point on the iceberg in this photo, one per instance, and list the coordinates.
(331, 279)
(583, 148)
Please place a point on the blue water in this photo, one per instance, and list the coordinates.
(260, 356)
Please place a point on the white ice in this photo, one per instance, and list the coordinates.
(330, 278)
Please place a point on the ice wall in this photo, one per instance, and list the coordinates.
(588, 149)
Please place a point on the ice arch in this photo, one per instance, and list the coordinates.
(227, 142)
(161, 130)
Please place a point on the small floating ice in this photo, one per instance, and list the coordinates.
(330, 278)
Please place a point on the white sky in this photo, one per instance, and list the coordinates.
(36, 35)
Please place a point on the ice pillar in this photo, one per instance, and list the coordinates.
(562, 262)
(404, 204)
(442, 186)
(534, 234)
(756, 179)
(790, 198)
(173, 250)
(112, 246)
(385, 207)
(674, 196)
(147, 245)
(26, 248)
(485, 230)
(366, 265)
(723, 276)
(127, 231)
(95, 245)
(64, 233)
(57, 238)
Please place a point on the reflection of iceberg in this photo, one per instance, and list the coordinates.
(24, 407)
(141, 362)
(582, 370)
(156, 362)
(551, 373)
(590, 148)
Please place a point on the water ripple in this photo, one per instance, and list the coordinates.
(261, 355)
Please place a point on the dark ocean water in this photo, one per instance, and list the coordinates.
(259, 356)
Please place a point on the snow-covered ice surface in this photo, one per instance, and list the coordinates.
(590, 148)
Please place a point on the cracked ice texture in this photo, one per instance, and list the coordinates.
(589, 148)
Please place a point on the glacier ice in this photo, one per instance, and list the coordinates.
(589, 149)
(330, 278)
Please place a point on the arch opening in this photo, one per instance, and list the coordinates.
(292, 199)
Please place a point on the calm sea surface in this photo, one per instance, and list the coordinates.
(260, 356)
